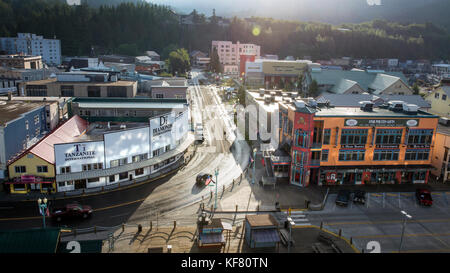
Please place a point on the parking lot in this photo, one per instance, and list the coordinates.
(380, 221)
(390, 200)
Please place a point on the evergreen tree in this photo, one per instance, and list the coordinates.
(313, 90)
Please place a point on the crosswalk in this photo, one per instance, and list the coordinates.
(298, 217)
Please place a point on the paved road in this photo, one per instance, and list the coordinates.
(381, 220)
(146, 201)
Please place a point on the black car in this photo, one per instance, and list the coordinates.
(202, 178)
(359, 197)
(343, 197)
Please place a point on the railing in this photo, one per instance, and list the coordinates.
(316, 145)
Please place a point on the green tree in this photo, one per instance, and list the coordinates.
(128, 49)
(415, 89)
(313, 90)
(214, 64)
(241, 95)
(179, 62)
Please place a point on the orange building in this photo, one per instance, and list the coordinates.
(356, 146)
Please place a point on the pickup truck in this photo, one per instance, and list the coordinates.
(73, 210)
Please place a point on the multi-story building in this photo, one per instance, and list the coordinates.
(21, 61)
(32, 44)
(229, 54)
(440, 99)
(23, 123)
(357, 81)
(275, 73)
(11, 77)
(441, 69)
(80, 84)
(357, 146)
(441, 153)
(82, 155)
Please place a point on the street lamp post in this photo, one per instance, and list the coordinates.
(407, 216)
(254, 164)
(216, 172)
(42, 207)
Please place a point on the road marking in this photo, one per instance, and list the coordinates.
(376, 194)
(436, 193)
(406, 194)
(386, 222)
(399, 235)
(21, 218)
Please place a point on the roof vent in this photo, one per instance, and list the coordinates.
(366, 106)
(267, 99)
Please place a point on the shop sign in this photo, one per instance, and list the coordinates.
(164, 126)
(353, 146)
(331, 177)
(381, 122)
(80, 153)
(419, 146)
(387, 146)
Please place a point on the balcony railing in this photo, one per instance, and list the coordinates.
(316, 145)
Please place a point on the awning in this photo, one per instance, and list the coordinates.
(266, 235)
(212, 238)
(29, 182)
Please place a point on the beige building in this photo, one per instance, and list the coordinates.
(441, 155)
(440, 99)
(80, 84)
(21, 61)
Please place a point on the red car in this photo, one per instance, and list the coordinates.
(424, 197)
(73, 210)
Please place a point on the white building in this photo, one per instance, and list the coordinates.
(108, 156)
(32, 44)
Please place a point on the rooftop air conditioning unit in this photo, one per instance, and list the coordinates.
(261, 92)
(396, 105)
(267, 99)
(366, 106)
(299, 104)
(410, 108)
(444, 121)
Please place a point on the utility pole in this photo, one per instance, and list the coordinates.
(216, 172)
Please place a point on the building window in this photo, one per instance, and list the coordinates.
(139, 172)
(354, 136)
(42, 169)
(123, 175)
(93, 180)
(301, 138)
(351, 155)
(326, 136)
(381, 155)
(37, 131)
(61, 184)
(417, 154)
(118, 162)
(36, 90)
(324, 155)
(389, 136)
(65, 169)
(26, 124)
(20, 169)
(159, 96)
(67, 91)
(93, 91)
(117, 91)
(444, 97)
(140, 157)
(36, 119)
(436, 95)
(418, 136)
(112, 178)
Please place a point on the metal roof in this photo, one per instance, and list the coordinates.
(262, 220)
(40, 240)
(377, 112)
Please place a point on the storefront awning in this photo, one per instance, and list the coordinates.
(378, 168)
(266, 236)
(29, 182)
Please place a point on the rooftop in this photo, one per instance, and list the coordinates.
(96, 130)
(11, 110)
(261, 220)
(377, 112)
(54, 81)
(137, 103)
(352, 100)
(443, 129)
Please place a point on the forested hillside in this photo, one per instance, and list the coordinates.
(133, 28)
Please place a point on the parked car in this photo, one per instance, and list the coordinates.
(203, 179)
(424, 197)
(359, 197)
(72, 210)
(343, 197)
(199, 132)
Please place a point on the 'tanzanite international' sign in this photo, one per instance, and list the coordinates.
(381, 122)
(79, 152)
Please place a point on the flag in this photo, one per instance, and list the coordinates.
(47, 212)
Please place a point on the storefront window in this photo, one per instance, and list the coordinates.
(388, 136)
(326, 136)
